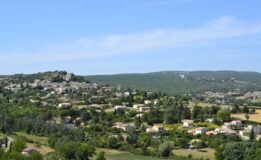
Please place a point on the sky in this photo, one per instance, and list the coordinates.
(90, 37)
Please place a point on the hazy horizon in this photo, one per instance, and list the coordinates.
(135, 72)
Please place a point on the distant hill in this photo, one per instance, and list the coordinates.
(179, 82)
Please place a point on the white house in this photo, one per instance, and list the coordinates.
(225, 131)
(155, 102)
(247, 131)
(64, 105)
(258, 137)
(155, 129)
(211, 133)
(244, 134)
(210, 120)
(187, 123)
(121, 107)
(125, 126)
(233, 124)
(147, 102)
(137, 106)
(139, 115)
(256, 129)
(127, 93)
(198, 131)
(68, 76)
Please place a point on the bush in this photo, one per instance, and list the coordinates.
(18, 145)
(76, 150)
(165, 148)
(237, 150)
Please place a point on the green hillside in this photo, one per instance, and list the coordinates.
(178, 82)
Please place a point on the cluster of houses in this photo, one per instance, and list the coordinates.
(136, 107)
(48, 85)
(65, 101)
(52, 89)
(220, 97)
(124, 126)
(235, 127)
(129, 127)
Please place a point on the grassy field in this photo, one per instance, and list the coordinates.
(2, 136)
(252, 117)
(204, 153)
(41, 140)
(40, 143)
(111, 154)
(210, 126)
(77, 107)
(204, 104)
(256, 100)
(41, 148)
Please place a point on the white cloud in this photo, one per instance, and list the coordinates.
(223, 27)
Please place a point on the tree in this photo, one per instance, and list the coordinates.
(132, 138)
(219, 152)
(84, 151)
(144, 140)
(235, 108)
(169, 119)
(247, 116)
(120, 112)
(199, 145)
(165, 148)
(132, 113)
(223, 115)
(52, 141)
(100, 156)
(237, 150)
(245, 109)
(252, 135)
(196, 112)
(138, 122)
(18, 145)
(112, 142)
(14, 156)
(1, 152)
(36, 156)
(253, 155)
(76, 150)
(181, 142)
(6, 142)
(186, 113)
(86, 116)
(253, 110)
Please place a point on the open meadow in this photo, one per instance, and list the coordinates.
(252, 117)
(111, 154)
(33, 138)
(204, 153)
(36, 142)
(205, 104)
(41, 148)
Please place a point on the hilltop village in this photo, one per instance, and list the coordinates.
(73, 112)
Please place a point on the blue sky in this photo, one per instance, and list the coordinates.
(125, 36)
